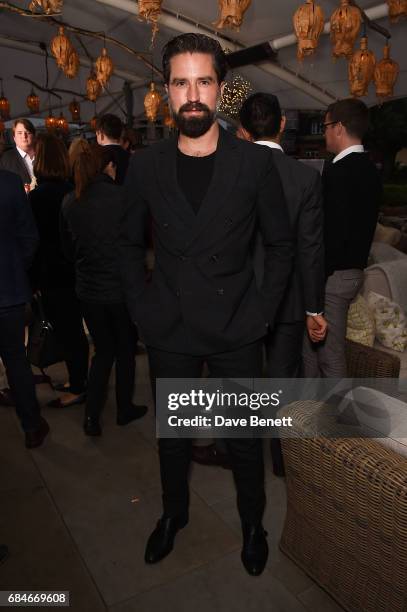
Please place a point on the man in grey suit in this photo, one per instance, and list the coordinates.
(262, 123)
(20, 159)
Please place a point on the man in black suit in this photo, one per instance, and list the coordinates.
(108, 134)
(20, 160)
(205, 190)
(352, 195)
(262, 123)
(18, 242)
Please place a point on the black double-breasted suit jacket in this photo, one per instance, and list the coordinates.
(203, 297)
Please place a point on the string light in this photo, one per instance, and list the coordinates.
(234, 94)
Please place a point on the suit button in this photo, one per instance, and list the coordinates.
(215, 258)
(220, 291)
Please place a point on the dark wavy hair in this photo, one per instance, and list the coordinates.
(51, 158)
(195, 43)
(260, 115)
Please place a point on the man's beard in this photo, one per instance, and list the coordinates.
(194, 126)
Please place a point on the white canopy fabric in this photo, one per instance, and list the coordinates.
(310, 84)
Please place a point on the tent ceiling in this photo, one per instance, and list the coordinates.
(263, 21)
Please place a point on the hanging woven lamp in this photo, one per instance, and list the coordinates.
(231, 14)
(49, 7)
(361, 68)
(33, 102)
(75, 110)
(345, 26)
(51, 122)
(72, 66)
(93, 123)
(93, 88)
(152, 103)
(61, 48)
(385, 74)
(397, 10)
(104, 67)
(62, 124)
(4, 104)
(308, 21)
(168, 119)
(150, 11)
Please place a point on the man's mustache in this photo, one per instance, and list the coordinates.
(194, 106)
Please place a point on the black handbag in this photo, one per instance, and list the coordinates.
(43, 349)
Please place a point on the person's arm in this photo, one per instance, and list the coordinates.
(275, 228)
(26, 229)
(132, 245)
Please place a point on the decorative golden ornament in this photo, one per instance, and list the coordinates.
(33, 102)
(75, 110)
(2, 127)
(308, 24)
(152, 103)
(397, 9)
(234, 94)
(93, 88)
(93, 123)
(51, 122)
(49, 7)
(150, 11)
(61, 48)
(168, 119)
(360, 69)
(345, 26)
(231, 14)
(385, 74)
(4, 104)
(72, 66)
(104, 67)
(62, 123)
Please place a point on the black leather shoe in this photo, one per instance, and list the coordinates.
(210, 455)
(135, 412)
(36, 438)
(161, 541)
(91, 427)
(255, 549)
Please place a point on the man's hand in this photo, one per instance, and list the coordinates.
(316, 327)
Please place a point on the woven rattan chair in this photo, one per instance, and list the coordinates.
(346, 521)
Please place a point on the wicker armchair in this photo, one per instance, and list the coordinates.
(346, 521)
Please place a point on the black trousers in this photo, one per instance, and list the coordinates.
(19, 374)
(63, 310)
(115, 338)
(283, 354)
(246, 455)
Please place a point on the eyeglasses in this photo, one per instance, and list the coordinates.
(325, 125)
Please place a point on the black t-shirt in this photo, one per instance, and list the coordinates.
(194, 175)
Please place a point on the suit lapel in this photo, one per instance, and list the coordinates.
(21, 163)
(225, 173)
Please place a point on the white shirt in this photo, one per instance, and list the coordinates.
(275, 145)
(29, 162)
(269, 143)
(353, 149)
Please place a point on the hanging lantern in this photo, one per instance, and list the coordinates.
(397, 9)
(104, 67)
(152, 102)
(385, 74)
(49, 7)
(231, 14)
(72, 66)
(93, 88)
(234, 94)
(361, 68)
(61, 48)
(345, 26)
(33, 102)
(149, 11)
(308, 24)
(75, 110)
(4, 104)
(93, 123)
(168, 119)
(51, 122)
(62, 124)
